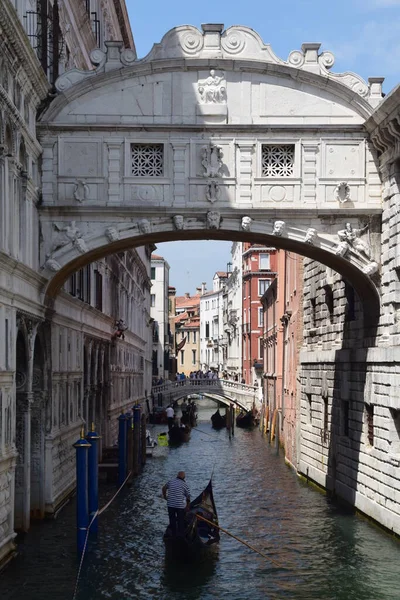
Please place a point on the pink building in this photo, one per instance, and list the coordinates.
(283, 337)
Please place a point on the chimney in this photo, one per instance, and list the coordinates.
(198, 290)
(187, 295)
(203, 287)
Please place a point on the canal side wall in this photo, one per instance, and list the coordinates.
(349, 400)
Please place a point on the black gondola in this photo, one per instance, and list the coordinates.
(178, 434)
(199, 535)
(218, 421)
(245, 419)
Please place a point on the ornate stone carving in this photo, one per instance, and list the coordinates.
(342, 192)
(192, 41)
(212, 160)
(213, 89)
(311, 236)
(52, 265)
(80, 244)
(371, 268)
(112, 234)
(351, 236)
(144, 226)
(279, 228)
(213, 192)
(213, 219)
(69, 234)
(179, 222)
(246, 223)
(81, 190)
(342, 249)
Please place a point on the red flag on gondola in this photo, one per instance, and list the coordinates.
(181, 344)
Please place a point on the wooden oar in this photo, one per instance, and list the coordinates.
(241, 541)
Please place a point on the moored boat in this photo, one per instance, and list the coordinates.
(218, 421)
(245, 419)
(178, 434)
(200, 536)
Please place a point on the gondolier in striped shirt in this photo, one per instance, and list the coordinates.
(177, 494)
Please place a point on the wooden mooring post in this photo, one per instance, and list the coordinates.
(143, 438)
(136, 440)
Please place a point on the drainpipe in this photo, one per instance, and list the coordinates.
(285, 320)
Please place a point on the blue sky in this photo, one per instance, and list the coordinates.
(364, 36)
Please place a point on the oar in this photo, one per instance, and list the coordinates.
(241, 541)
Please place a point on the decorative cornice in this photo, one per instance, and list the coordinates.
(238, 44)
(11, 28)
(30, 139)
(384, 128)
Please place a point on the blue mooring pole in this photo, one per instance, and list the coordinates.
(122, 451)
(82, 510)
(93, 478)
(136, 428)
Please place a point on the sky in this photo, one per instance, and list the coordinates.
(364, 36)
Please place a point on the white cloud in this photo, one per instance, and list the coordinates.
(375, 47)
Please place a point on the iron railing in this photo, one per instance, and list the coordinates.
(43, 30)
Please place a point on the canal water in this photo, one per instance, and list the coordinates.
(319, 550)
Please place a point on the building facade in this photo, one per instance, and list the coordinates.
(212, 339)
(159, 302)
(259, 269)
(233, 302)
(282, 340)
(88, 355)
(187, 332)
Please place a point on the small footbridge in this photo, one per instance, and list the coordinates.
(222, 390)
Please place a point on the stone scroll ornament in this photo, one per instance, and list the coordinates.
(81, 190)
(342, 192)
(212, 90)
(213, 192)
(211, 160)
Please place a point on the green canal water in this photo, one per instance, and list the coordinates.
(320, 551)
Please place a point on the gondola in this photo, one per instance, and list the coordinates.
(218, 421)
(245, 419)
(199, 536)
(178, 435)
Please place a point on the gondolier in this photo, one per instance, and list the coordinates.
(178, 499)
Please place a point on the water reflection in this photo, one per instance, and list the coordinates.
(193, 576)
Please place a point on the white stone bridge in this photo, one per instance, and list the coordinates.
(225, 391)
(212, 136)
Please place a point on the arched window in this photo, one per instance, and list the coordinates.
(8, 140)
(22, 156)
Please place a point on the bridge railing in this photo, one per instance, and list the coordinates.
(222, 384)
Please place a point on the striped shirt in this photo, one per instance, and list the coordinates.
(178, 493)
